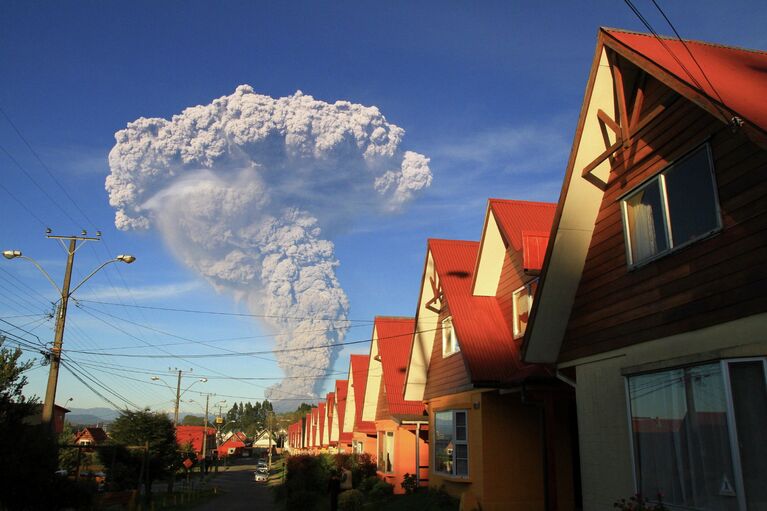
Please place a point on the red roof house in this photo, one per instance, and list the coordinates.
(363, 432)
(655, 271)
(344, 437)
(401, 425)
(195, 436)
(468, 370)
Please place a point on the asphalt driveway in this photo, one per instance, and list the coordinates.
(238, 489)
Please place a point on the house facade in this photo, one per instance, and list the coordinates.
(363, 433)
(652, 296)
(401, 426)
(492, 419)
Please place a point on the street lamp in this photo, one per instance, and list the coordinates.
(179, 392)
(65, 293)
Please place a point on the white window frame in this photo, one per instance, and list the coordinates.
(453, 338)
(515, 320)
(731, 424)
(660, 177)
(455, 443)
(381, 444)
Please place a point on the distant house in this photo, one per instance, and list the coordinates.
(344, 437)
(91, 436)
(231, 447)
(401, 426)
(196, 436)
(363, 432)
(329, 435)
(653, 295)
(59, 414)
(262, 441)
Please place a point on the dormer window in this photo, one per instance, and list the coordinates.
(523, 301)
(449, 339)
(673, 209)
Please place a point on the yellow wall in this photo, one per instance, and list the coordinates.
(606, 464)
(505, 451)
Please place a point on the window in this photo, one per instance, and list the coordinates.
(675, 208)
(522, 302)
(385, 451)
(449, 339)
(357, 447)
(451, 449)
(698, 435)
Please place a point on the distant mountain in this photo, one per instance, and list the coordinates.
(86, 416)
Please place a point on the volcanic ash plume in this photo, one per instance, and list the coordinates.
(247, 189)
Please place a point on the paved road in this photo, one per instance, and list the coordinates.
(238, 489)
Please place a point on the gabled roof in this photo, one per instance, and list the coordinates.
(359, 370)
(519, 226)
(323, 418)
(737, 75)
(515, 217)
(98, 435)
(341, 392)
(394, 337)
(739, 79)
(194, 435)
(488, 348)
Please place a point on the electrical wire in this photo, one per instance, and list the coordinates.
(673, 55)
(236, 314)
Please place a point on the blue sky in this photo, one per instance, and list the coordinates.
(489, 91)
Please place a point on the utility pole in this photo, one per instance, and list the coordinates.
(58, 339)
(205, 439)
(269, 424)
(178, 398)
(61, 313)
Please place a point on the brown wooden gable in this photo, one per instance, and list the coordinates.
(711, 281)
(445, 375)
(512, 278)
(382, 409)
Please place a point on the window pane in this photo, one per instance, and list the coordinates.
(681, 440)
(749, 399)
(521, 306)
(647, 232)
(691, 198)
(443, 442)
(461, 459)
(447, 336)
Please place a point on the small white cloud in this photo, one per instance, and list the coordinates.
(154, 292)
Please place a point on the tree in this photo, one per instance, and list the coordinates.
(29, 482)
(135, 430)
(193, 420)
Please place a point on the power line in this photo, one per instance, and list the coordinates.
(37, 185)
(237, 314)
(673, 55)
(99, 394)
(47, 169)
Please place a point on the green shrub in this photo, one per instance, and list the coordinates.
(409, 483)
(351, 500)
(441, 499)
(380, 491)
(367, 484)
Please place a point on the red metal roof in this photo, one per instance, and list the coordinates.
(322, 419)
(359, 367)
(534, 249)
(515, 217)
(194, 435)
(486, 344)
(330, 401)
(738, 75)
(394, 338)
(341, 389)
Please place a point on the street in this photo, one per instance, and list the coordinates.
(238, 489)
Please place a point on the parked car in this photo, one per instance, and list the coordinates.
(260, 477)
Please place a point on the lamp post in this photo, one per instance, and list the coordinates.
(178, 390)
(61, 316)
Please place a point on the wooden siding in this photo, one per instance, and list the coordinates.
(512, 278)
(711, 281)
(382, 409)
(446, 375)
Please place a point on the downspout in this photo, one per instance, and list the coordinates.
(560, 376)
